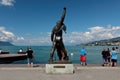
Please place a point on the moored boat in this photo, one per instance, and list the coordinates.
(9, 58)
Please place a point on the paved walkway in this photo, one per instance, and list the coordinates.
(90, 72)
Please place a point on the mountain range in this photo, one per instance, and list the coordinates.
(106, 42)
(2, 43)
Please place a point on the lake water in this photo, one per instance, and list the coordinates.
(42, 53)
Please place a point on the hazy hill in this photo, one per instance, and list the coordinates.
(2, 43)
(106, 42)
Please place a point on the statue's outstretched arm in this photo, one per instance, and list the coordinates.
(63, 15)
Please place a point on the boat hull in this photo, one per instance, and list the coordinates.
(9, 58)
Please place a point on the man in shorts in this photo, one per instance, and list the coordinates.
(114, 57)
(30, 57)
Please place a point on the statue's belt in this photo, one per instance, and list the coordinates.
(58, 37)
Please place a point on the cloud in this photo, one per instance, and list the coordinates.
(7, 2)
(6, 35)
(100, 33)
(94, 33)
(43, 38)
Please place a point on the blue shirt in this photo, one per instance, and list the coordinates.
(82, 52)
(114, 54)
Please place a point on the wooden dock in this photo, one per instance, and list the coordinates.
(9, 58)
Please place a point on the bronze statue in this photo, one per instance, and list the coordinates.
(56, 38)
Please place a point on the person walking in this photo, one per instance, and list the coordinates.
(83, 56)
(30, 55)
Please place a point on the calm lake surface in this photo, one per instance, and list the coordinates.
(42, 53)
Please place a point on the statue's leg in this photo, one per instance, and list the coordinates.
(64, 51)
(52, 51)
(59, 52)
(63, 55)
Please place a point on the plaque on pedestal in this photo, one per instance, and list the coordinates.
(59, 68)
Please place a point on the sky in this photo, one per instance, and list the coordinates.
(30, 22)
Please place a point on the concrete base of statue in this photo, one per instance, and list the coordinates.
(59, 68)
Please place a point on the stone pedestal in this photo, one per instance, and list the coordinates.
(59, 68)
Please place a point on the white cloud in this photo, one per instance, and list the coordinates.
(6, 35)
(94, 33)
(43, 38)
(7, 2)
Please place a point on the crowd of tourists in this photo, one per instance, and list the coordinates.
(110, 56)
